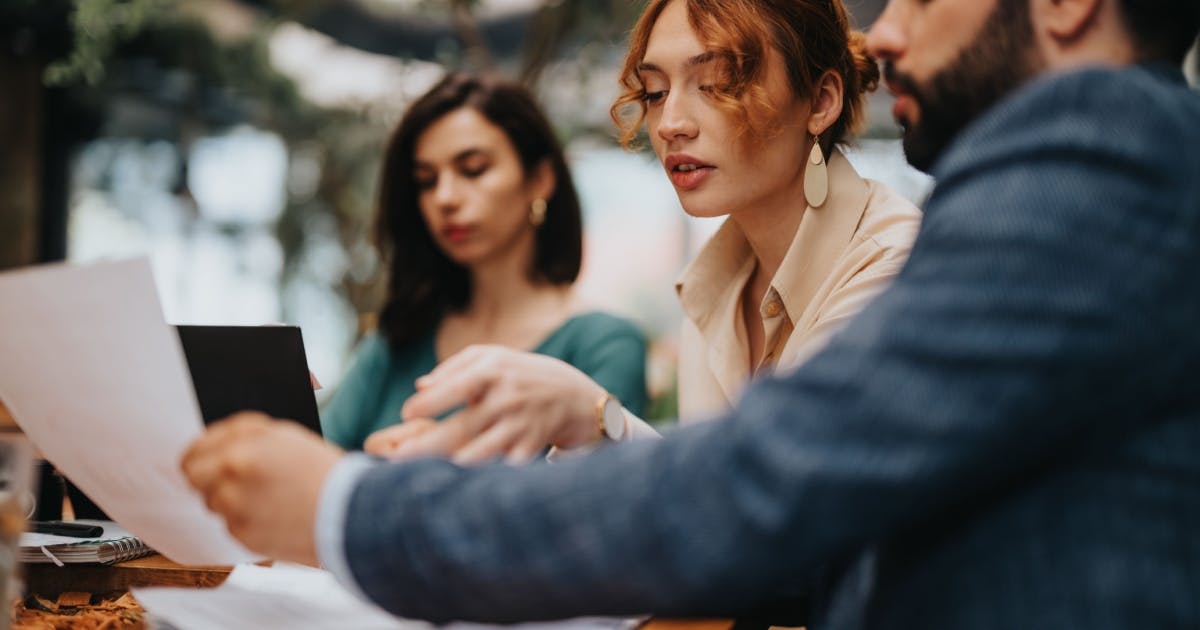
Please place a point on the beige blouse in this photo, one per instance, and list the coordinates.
(843, 255)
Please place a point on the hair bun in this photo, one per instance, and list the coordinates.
(864, 64)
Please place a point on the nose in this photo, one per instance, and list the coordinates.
(885, 40)
(676, 121)
(445, 194)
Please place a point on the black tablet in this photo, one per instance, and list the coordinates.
(262, 368)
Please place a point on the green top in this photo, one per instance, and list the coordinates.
(611, 350)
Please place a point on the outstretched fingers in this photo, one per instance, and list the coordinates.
(460, 380)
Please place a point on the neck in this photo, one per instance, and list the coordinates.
(500, 286)
(770, 227)
(1103, 41)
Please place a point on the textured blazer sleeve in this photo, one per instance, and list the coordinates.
(1049, 297)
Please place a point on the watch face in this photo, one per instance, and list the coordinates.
(614, 419)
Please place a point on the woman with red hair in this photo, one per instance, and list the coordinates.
(746, 104)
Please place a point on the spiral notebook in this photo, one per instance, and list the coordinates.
(114, 545)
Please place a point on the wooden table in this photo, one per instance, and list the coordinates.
(49, 580)
(95, 595)
(7, 423)
(97, 587)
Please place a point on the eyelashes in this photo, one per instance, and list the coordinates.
(427, 183)
(657, 96)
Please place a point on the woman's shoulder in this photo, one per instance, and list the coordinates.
(889, 221)
(604, 323)
(377, 351)
(374, 347)
(593, 326)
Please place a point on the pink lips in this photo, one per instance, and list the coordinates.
(687, 172)
(456, 233)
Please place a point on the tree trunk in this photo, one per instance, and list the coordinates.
(474, 44)
(20, 160)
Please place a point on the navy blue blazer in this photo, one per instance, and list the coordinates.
(1008, 437)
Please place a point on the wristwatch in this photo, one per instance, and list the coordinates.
(610, 417)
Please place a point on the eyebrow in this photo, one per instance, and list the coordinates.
(458, 157)
(691, 62)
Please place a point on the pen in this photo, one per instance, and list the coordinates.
(62, 528)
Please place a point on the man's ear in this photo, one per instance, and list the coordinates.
(542, 180)
(1065, 20)
(826, 102)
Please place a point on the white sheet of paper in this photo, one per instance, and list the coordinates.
(301, 598)
(282, 596)
(97, 380)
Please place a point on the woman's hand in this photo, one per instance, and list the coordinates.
(515, 404)
(386, 442)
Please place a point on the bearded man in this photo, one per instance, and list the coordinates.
(1005, 438)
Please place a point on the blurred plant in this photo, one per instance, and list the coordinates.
(100, 26)
(165, 56)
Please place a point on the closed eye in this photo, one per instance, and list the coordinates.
(654, 97)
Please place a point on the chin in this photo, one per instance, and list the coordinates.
(695, 205)
(463, 256)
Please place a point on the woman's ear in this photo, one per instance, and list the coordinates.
(826, 102)
(542, 180)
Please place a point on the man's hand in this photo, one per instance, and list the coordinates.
(515, 405)
(264, 476)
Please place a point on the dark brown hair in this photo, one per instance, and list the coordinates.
(812, 36)
(1163, 29)
(423, 283)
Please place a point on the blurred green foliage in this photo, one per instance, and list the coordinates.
(99, 27)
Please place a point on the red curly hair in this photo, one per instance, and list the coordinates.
(812, 36)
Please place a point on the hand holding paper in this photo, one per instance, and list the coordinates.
(265, 477)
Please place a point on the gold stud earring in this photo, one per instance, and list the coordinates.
(537, 212)
(816, 176)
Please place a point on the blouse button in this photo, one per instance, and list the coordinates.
(774, 308)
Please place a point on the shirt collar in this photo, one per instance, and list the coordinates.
(718, 274)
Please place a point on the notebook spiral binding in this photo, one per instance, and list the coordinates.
(123, 549)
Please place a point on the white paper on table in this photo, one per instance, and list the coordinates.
(300, 598)
(97, 380)
(282, 596)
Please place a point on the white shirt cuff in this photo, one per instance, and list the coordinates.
(635, 429)
(331, 518)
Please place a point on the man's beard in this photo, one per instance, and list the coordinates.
(1001, 58)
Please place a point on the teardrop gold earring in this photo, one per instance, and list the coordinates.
(816, 176)
(537, 212)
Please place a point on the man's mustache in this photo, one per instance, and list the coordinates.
(898, 81)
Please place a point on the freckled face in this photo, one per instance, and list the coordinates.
(473, 191)
(713, 169)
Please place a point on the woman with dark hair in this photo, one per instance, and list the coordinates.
(745, 103)
(480, 224)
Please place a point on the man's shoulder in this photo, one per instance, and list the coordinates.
(1143, 110)
(1147, 98)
